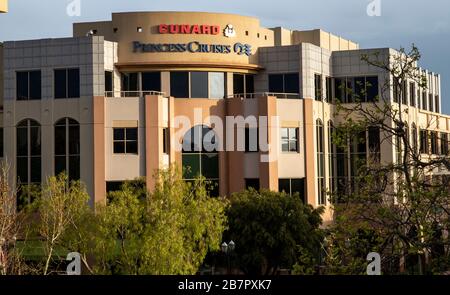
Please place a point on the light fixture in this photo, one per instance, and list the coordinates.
(139, 29)
(231, 245)
(224, 247)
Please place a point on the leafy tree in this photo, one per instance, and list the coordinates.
(396, 208)
(168, 232)
(271, 230)
(61, 209)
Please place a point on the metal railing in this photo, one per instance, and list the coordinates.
(132, 93)
(262, 94)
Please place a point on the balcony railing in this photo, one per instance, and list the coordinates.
(262, 94)
(132, 93)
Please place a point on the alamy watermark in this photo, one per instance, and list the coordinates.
(374, 8)
(74, 8)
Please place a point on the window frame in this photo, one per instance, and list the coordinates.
(125, 141)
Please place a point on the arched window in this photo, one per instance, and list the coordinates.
(67, 148)
(320, 163)
(200, 156)
(28, 161)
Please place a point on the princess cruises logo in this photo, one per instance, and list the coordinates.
(229, 31)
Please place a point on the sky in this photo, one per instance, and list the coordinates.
(399, 23)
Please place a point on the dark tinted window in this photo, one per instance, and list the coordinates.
(125, 140)
(291, 83)
(35, 85)
(249, 84)
(151, 81)
(199, 85)
(238, 84)
(179, 84)
(22, 85)
(252, 183)
(276, 83)
(28, 85)
(109, 82)
(130, 84)
(73, 83)
(318, 87)
(372, 89)
(60, 83)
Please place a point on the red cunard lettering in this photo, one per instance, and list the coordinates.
(189, 29)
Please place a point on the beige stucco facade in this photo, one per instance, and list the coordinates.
(138, 42)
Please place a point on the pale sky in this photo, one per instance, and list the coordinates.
(402, 22)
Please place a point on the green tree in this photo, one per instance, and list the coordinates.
(396, 207)
(272, 230)
(168, 232)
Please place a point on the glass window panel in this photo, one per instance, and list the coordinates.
(74, 140)
(108, 81)
(119, 147)
(238, 84)
(284, 185)
(119, 134)
(360, 89)
(131, 147)
(210, 165)
(217, 85)
(318, 87)
(131, 133)
(249, 83)
(339, 89)
(35, 169)
(22, 169)
(151, 81)
(22, 141)
(372, 88)
(199, 85)
(73, 84)
(252, 183)
(291, 83)
(22, 85)
(298, 186)
(276, 83)
(179, 84)
(60, 83)
(35, 141)
(285, 133)
(74, 168)
(60, 140)
(60, 164)
(191, 166)
(35, 85)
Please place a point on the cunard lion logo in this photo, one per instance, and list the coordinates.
(229, 31)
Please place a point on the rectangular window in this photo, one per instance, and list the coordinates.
(151, 81)
(431, 103)
(434, 143)
(284, 83)
(217, 85)
(374, 144)
(28, 85)
(424, 101)
(359, 89)
(437, 103)
(166, 140)
(276, 83)
(67, 83)
(109, 84)
(412, 94)
(404, 93)
(179, 84)
(423, 142)
(444, 143)
(249, 83)
(199, 85)
(293, 187)
(252, 183)
(328, 91)
(238, 84)
(372, 89)
(251, 140)
(318, 87)
(125, 140)
(339, 89)
(289, 139)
